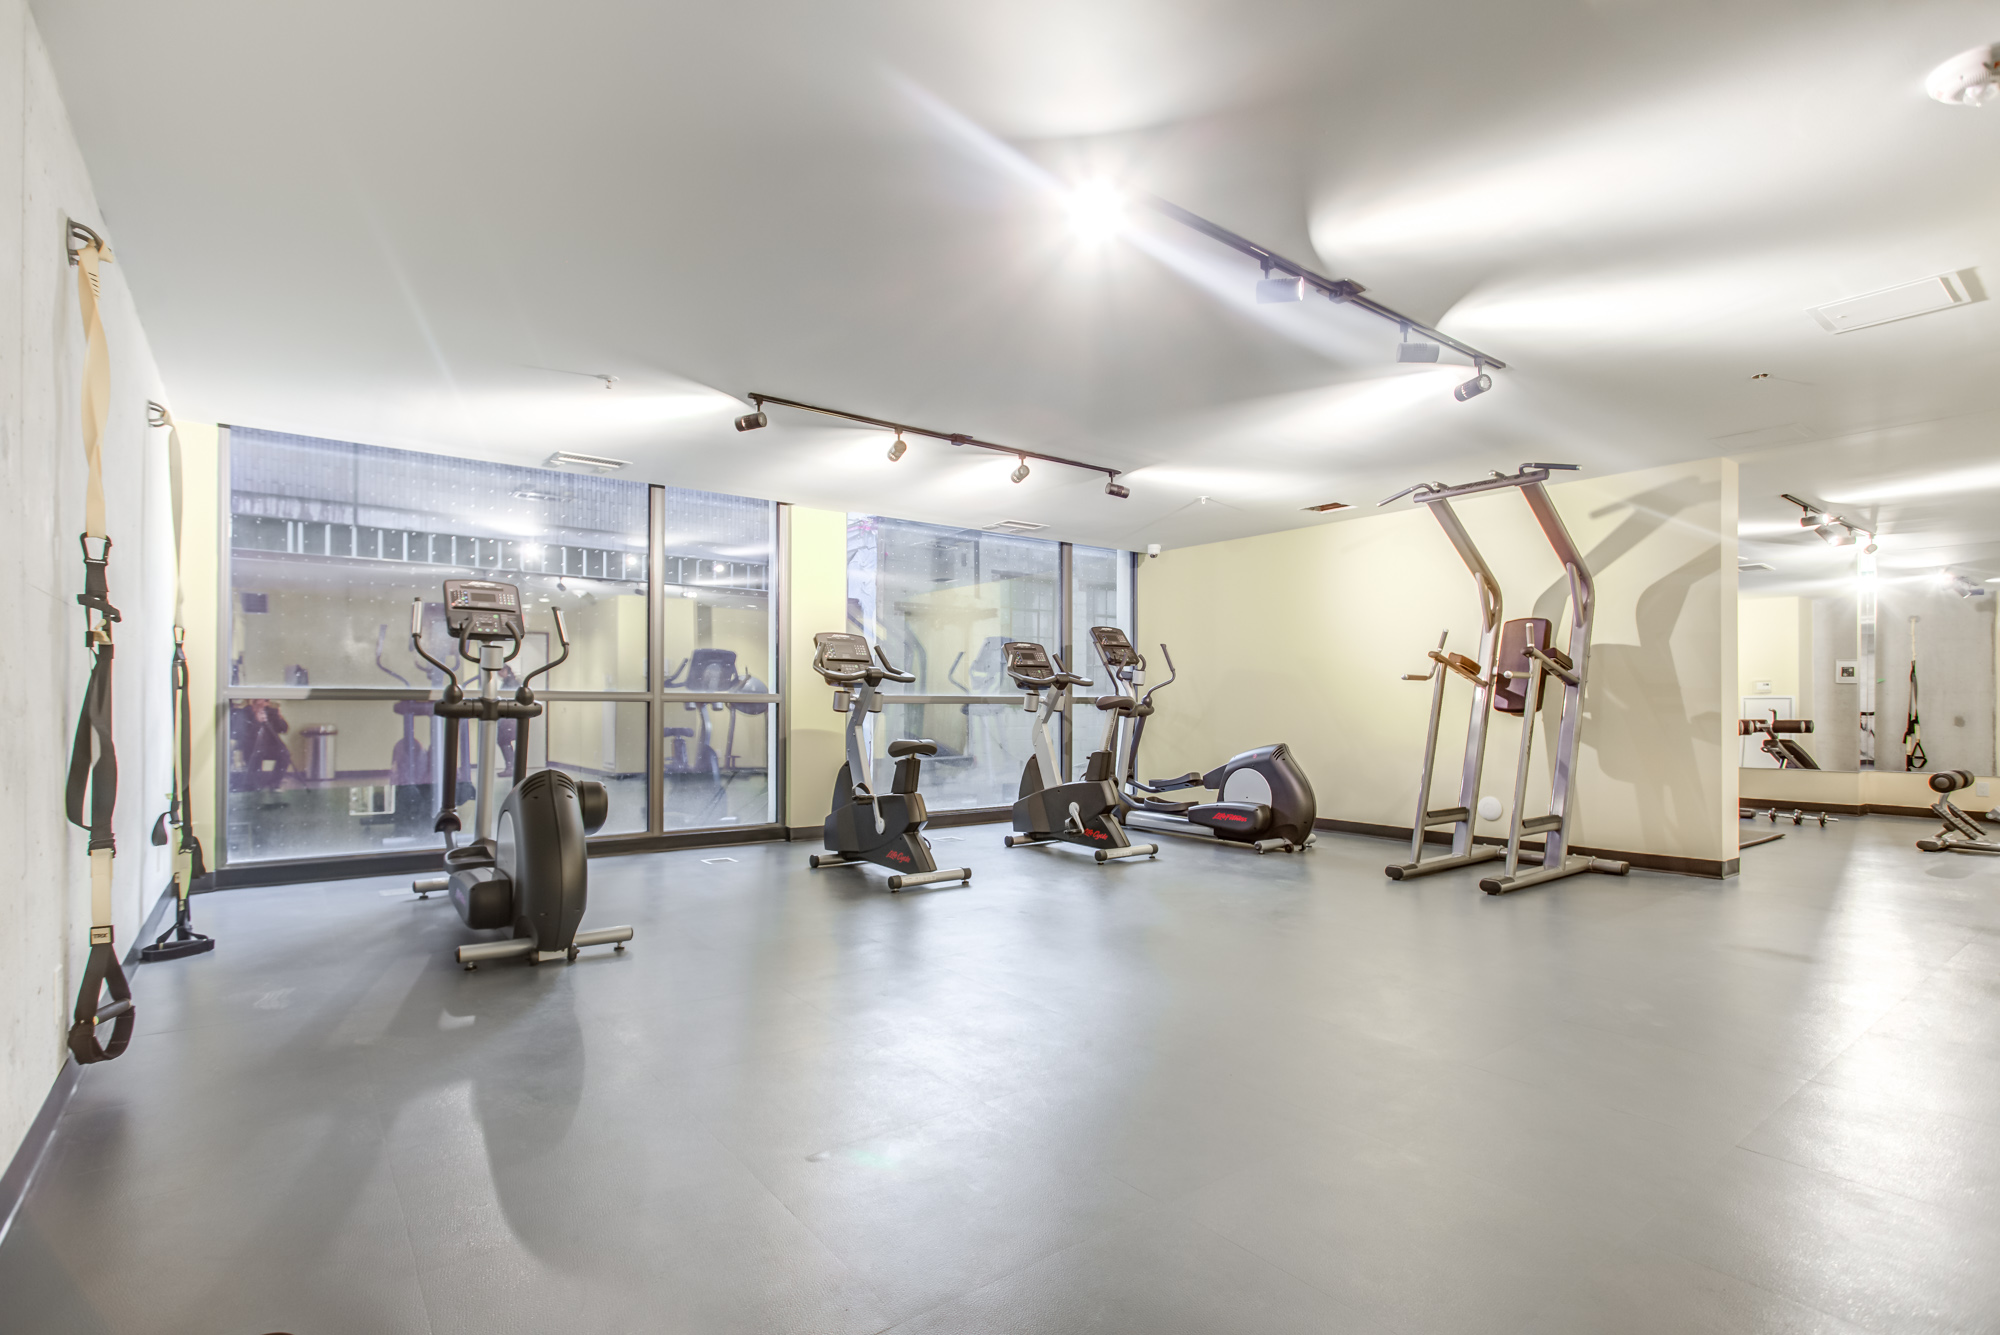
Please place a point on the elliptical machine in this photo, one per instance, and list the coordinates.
(1267, 801)
(525, 867)
(1048, 809)
(864, 825)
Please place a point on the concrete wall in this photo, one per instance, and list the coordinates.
(1303, 637)
(45, 896)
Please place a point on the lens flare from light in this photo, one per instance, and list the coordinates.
(1096, 211)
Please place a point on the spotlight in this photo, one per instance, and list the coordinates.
(1835, 533)
(1114, 489)
(751, 421)
(1419, 352)
(900, 448)
(1096, 210)
(1273, 290)
(1473, 388)
(1020, 474)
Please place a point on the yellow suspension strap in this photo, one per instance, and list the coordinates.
(180, 939)
(93, 763)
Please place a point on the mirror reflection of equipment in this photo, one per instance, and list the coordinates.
(1516, 660)
(526, 866)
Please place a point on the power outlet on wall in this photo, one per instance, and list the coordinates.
(1984, 788)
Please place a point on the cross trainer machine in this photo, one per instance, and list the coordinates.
(525, 867)
(864, 825)
(1961, 833)
(1511, 675)
(1266, 800)
(1049, 810)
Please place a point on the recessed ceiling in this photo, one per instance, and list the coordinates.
(445, 226)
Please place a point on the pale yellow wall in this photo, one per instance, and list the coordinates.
(1774, 638)
(1303, 637)
(817, 544)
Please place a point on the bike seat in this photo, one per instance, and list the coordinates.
(908, 746)
(1120, 702)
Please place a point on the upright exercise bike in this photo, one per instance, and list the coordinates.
(1266, 800)
(864, 825)
(525, 867)
(1050, 810)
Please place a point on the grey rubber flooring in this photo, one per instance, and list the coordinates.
(1213, 1093)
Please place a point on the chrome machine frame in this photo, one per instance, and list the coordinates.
(1557, 861)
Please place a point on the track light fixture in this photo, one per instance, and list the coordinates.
(1479, 384)
(1297, 278)
(1832, 529)
(751, 421)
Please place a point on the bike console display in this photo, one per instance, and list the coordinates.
(483, 609)
(1114, 648)
(1028, 664)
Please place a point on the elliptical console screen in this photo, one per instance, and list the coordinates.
(483, 609)
(1113, 647)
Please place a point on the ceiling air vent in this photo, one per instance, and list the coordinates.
(1329, 507)
(1937, 293)
(594, 463)
(1013, 526)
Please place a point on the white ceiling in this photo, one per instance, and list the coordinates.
(415, 223)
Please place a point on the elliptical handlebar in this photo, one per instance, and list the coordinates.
(562, 637)
(453, 690)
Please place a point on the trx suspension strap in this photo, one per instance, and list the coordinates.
(93, 764)
(180, 939)
(1913, 726)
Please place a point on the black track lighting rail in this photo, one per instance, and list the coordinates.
(1343, 290)
(1111, 475)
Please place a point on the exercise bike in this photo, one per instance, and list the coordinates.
(525, 867)
(864, 825)
(1048, 809)
(1266, 800)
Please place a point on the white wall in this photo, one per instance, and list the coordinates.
(45, 896)
(1303, 637)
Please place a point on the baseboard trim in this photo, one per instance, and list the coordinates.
(19, 1178)
(1714, 869)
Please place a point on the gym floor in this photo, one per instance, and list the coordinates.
(1213, 1093)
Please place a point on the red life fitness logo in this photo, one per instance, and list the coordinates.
(895, 856)
(1238, 817)
(1099, 835)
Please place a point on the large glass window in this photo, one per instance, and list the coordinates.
(331, 744)
(942, 602)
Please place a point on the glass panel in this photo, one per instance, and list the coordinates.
(942, 601)
(981, 751)
(716, 627)
(602, 741)
(329, 542)
(717, 764)
(316, 778)
(1101, 596)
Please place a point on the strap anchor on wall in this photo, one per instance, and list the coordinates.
(92, 792)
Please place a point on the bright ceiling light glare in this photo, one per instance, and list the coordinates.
(751, 421)
(1020, 474)
(899, 449)
(1968, 79)
(1835, 534)
(1096, 210)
